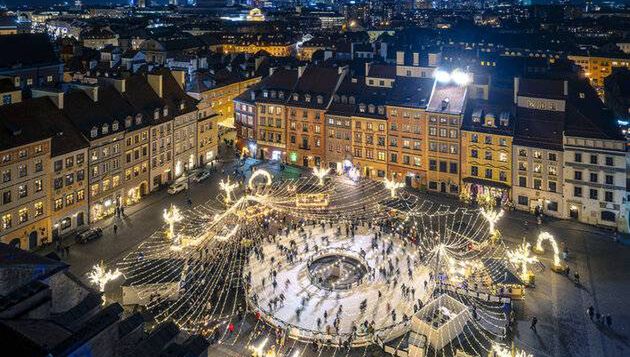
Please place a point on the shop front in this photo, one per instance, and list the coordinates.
(485, 192)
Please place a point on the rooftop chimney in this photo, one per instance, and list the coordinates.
(155, 80)
(400, 58)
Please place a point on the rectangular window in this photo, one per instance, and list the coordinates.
(609, 161)
(523, 200)
(552, 186)
(452, 167)
(608, 196)
(593, 194)
(577, 191)
(522, 181)
(594, 159)
(593, 177)
(577, 157)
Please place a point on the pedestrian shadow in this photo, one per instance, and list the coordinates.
(613, 335)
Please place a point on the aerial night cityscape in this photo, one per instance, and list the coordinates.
(292, 178)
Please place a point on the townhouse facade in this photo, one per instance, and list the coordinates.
(486, 150)
(503, 145)
(25, 167)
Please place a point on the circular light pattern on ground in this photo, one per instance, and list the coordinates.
(266, 271)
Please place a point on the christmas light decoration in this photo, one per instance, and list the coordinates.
(320, 173)
(492, 217)
(538, 248)
(172, 216)
(100, 276)
(228, 188)
(392, 186)
(522, 256)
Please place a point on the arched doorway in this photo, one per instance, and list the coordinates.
(15, 243)
(32, 240)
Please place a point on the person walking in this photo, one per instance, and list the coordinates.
(590, 312)
(608, 320)
(115, 229)
(533, 325)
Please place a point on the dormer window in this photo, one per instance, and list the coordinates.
(281, 95)
(156, 114)
(265, 94)
(320, 99)
(127, 122)
(115, 125)
(371, 108)
(105, 129)
(381, 110)
(351, 100)
(504, 119)
(165, 111)
(489, 120)
(181, 106)
(362, 108)
(476, 116)
(296, 97)
(344, 99)
(445, 103)
(307, 98)
(138, 119)
(94, 132)
(273, 94)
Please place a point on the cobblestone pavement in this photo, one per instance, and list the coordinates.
(564, 329)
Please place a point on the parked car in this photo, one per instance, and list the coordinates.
(200, 176)
(88, 235)
(178, 187)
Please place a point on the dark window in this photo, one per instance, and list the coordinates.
(610, 180)
(578, 157)
(432, 165)
(442, 166)
(594, 159)
(577, 191)
(552, 206)
(522, 181)
(608, 196)
(593, 177)
(608, 216)
(433, 185)
(609, 161)
(577, 175)
(453, 168)
(6, 197)
(592, 194)
(474, 171)
(523, 200)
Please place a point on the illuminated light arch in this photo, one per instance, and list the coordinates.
(263, 173)
(546, 236)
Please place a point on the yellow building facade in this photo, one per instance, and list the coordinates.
(25, 189)
(221, 99)
(369, 146)
(597, 68)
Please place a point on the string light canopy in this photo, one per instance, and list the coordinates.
(252, 255)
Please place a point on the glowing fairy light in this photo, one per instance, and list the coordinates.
(392, 186)
(172, 216)
(320, 173)
(503, 351)
(538, 248)
(259, 351)
(492, 217)
(264, 173)
(228, 187)
(521, 256)
(100, 276)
